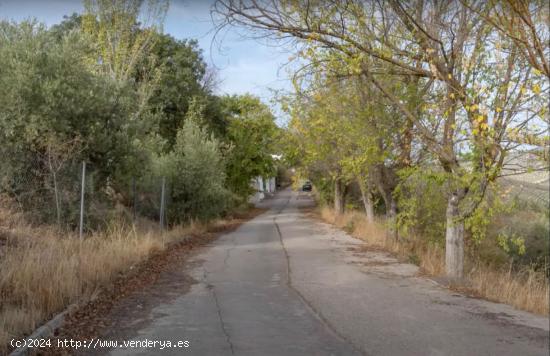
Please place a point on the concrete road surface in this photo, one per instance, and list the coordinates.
(285, 284)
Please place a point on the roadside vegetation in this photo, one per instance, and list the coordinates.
(411, 119)
(426, 116)
(44, 270)
(108, 88)
(522, 286)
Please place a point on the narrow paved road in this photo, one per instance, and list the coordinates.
(285, 284)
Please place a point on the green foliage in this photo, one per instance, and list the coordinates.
(195, 170)
(107, 88)
(167, 74)
(324, 186)
(422, 200)
(251, 134)
(69, 23)
(180, 83)
(511, 244)
(122, 33)
(523, 234)
(53, 108)
(486, 207)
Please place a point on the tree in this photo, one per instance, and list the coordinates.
(49, 99)
(526, 24)
(251, 136)
(480, 87)
(120, 37)
(375, 140)
(123, 33)
(56, 155)
(69, 23)
(167, 73)
(180, 81)
(316, 122)
(196, 172)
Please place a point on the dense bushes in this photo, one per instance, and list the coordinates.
(516, 232)
(60, 104)
(521, 235)
(196, 172)
(54, 113)
(422, 204)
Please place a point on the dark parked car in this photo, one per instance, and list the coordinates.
(306, 187)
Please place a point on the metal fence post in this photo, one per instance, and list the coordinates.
(162, 192)
(81, 229)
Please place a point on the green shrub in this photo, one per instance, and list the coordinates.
(523, 236)
(55, 113)
(422, 204)
(196, 173)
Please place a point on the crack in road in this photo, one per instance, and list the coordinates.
(212, 290)
(224, 329)
(241, 300)
(308, 305)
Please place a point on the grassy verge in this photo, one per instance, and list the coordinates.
(526, 289)
(43, 271)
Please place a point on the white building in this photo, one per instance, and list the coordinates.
(262, 188)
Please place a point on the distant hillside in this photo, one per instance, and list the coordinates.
(533, 185)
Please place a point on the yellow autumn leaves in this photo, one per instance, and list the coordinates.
(535, 88)
(480, 125)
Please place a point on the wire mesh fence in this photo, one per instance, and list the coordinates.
(78, 196)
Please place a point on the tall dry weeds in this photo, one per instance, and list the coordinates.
(43, 270)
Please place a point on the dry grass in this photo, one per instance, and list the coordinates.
(526, 290)
(42, 271)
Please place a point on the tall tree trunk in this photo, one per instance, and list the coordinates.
(366, 195)
(385, 180)
(454, 239)
(339, 196)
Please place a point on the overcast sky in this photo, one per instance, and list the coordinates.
(243, 64)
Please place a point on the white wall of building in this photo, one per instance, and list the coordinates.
(261, 187)
(258, 195)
